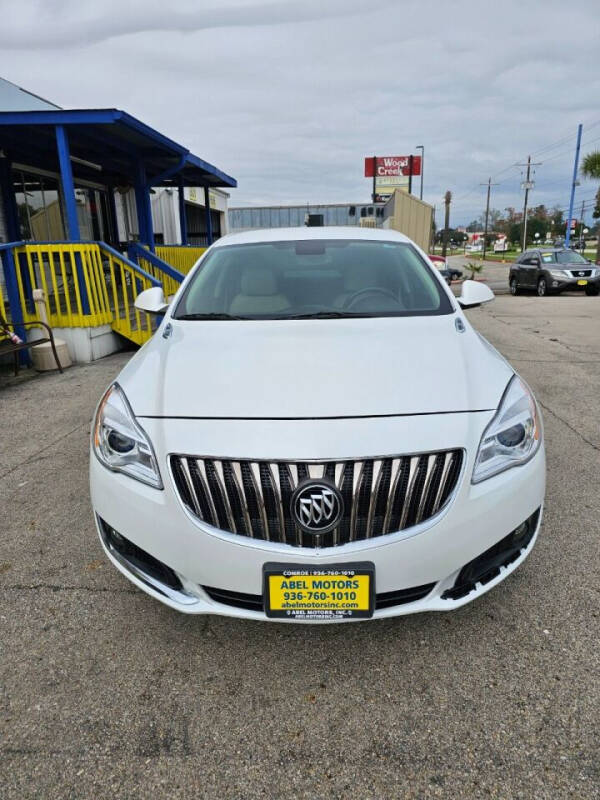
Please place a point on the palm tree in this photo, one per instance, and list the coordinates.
(590, 167)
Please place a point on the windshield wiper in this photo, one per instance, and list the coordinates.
(211, 315)
(327, 315)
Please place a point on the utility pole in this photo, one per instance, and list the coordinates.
(489, 185)
(447, 201)
(422, 149)
(581, 226)
(573, 184)
(527, 185)
(374, 179)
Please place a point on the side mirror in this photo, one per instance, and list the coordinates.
(474, 294)
(152, 301)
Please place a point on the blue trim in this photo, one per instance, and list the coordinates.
(209, 230)
(226, 180)
(68, 186)
(12, 290)
(62, 117)
(168, 173)
(143, 207)
(182, 216)
(68, 192)
(111, 116)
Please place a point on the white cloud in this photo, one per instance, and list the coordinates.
(290, 96)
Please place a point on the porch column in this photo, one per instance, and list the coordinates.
(209, 231)
(68, 193)
(9, 203)
(182, 217)
(68, 187)
(143, 207)
(14, 301)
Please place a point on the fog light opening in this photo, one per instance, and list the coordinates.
(488, 565)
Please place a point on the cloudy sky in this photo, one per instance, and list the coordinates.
(289, 96)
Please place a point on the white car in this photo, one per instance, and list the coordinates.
(316, 433)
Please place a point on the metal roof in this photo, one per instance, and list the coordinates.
(15, 98)
(105, 147)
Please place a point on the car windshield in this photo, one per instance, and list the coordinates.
(563, 257)
(313, 278)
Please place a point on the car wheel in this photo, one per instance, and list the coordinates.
(591, 291)
(542, 287)
(514, 286)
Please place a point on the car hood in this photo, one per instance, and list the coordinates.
(315, 368)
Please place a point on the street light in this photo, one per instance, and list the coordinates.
(422, 149)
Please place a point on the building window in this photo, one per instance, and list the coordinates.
(38, 207)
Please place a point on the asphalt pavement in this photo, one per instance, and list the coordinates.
(106, 693)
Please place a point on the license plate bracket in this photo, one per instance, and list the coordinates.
(324, 592)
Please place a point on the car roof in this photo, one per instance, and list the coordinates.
(305, 232)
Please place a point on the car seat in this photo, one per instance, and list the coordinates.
(258, 293)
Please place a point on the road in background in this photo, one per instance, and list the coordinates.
(108, 694)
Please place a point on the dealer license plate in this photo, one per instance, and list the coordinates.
(581, 283)
(337, 591)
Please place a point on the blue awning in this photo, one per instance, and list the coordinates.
(106, 146)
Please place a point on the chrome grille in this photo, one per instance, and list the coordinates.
(253, 498)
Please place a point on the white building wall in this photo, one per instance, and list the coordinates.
(165, 211)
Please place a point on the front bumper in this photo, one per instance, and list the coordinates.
(572, 285)
(429, 555)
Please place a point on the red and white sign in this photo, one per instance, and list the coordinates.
(391, 166)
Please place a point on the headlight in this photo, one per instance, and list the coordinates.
(120, 443)
(512, 437)
(559, 274)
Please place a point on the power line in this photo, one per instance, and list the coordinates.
(547, 148)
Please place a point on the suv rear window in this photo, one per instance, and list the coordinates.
(313, 278)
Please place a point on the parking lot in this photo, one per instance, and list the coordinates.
(108, 694)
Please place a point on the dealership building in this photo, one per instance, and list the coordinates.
(95, 207)
(40, 205)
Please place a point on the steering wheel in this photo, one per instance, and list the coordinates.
(370, 290)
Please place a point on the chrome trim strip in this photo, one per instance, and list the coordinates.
(190, 484)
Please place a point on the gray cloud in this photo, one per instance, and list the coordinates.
(290, 96)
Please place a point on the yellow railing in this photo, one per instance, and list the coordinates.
(61, 270)
(169, 284)
(86, 285)
(181, 257)
(2, 304)
(126, 283)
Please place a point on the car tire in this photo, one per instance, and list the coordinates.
(542, 288)
(514, 286)
(592, 291)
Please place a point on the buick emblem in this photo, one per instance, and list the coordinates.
(317, 506)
